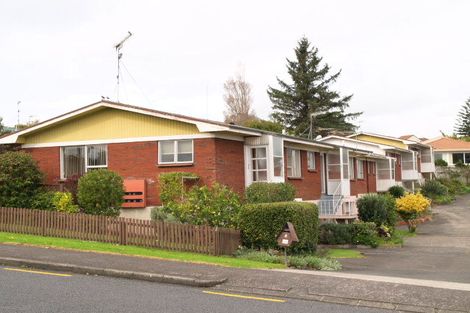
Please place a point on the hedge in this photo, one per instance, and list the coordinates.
(261, 224)
(269, 192)
(352, 234)
(379, 209)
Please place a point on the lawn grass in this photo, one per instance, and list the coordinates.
(397, 238)
(344, 254)
(133, 251)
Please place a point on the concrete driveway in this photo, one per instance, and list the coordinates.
(441, 251)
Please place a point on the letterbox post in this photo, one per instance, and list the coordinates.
(286, 238)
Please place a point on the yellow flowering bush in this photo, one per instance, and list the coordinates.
(410, 207)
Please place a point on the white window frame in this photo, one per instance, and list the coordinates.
(295, 156)
(62, 165)
(279, 178)
(175, 152)
(351, 169)
(256, 171)
(311, 161)
(360, 169)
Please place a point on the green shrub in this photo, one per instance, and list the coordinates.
(454, 186)
(261, 224)
(63, 202)
(172, 187)
(270, 192)
(20, 179)
(259, 256)
(440, 162)
(433, 189)
(379, 209)
(158, 214)
(396, 191)
(214, 206)
(443, 199)
(352, 234)
(43, 201)
(101, 192)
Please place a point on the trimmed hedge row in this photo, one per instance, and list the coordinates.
(261, 224)
(270, 192)
(352, 234)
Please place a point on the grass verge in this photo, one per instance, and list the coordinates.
(397, 238)
(133, 251)
(344, 254)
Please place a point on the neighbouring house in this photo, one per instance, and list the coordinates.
(451, 150)
(414, 159)
(140, 144)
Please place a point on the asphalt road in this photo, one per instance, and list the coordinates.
(440, 251)
(45, 292)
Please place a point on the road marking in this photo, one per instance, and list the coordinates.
(243, 297)
(35, 272)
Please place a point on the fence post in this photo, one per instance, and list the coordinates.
(122, 232)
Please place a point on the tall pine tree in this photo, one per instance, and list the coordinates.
(462, 126)
(310, 95)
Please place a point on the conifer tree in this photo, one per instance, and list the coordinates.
(462, 126)
(310, 96)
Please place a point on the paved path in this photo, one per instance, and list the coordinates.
(441, 251)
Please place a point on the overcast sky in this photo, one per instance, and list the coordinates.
(406, 62)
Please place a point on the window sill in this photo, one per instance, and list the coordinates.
(176, 165)
(295, 178)
(312, 171)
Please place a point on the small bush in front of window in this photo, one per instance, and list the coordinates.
(20, 179)
(269, 192)
(440, 162)
(379, 209)
(433, 189)
(360, 233)
(63, 202)
(101, 192)
(396, 191)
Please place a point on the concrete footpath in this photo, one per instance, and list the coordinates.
(410, 295)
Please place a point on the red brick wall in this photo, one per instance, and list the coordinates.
(214, 160)
(48, 160)
(309, 185)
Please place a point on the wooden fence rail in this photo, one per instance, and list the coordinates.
(124, 231)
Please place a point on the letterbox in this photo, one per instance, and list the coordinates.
(287, 236)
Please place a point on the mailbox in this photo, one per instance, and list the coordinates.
(287, 236)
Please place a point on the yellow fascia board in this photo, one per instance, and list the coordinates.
(109, 124)
(380, 140)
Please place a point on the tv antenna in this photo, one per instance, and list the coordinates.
(18, 117)
(118, 48)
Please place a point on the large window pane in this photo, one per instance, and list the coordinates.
(97, 155)
(278, 165)
(293, 163)
(73, 161)
(457, 157)
(311, 160)
(185, 150)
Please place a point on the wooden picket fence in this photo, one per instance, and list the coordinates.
(124, 231)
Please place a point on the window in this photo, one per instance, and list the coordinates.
(360, 169)
(278, 157)
(392, 168)
(438, 156)
(259, 164)
(351, 168)
(293, 163)
(77, 160)
(311, 160)
(457, 158)
(175, 151)
(371, 168)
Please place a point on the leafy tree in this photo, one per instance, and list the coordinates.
(20, 179)
(264, 125)
(462, 126)
(310, 94)
(238, 100)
